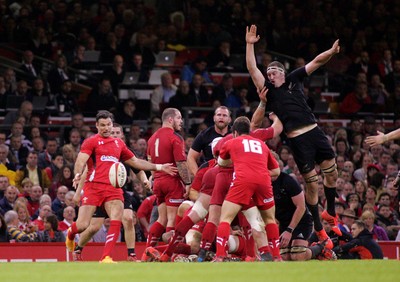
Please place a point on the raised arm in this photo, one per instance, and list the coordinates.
(255, 73)
(382, 137)
(259, 113)
(322, 58)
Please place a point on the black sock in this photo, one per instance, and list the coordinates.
(315, 214)
(316, 250)
(78, 249)
(330, 194)
(131, 252)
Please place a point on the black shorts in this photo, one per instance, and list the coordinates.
(310, 148)
(100, 213)
(302, 231)
(127, 201)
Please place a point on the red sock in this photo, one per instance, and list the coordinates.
(112, 237)
(180, 231)
(155, 232)
(73, 232)
(224, 229)
(242, 248)
(208, 235)
(264, 250)
(177, 219)
(273, 238)
(250, 245)
(168, 229)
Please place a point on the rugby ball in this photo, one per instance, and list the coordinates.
(117, 175)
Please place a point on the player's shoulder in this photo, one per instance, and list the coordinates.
(178, 136)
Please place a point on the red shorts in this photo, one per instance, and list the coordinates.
(169, 191)
(96, 194)
(208, 182)
(241, 193)
(222, 183)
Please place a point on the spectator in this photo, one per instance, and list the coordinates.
(58, 74)
(23, 217)
(116, 73)
(183, 97)
(357, 101)
(63, 178)
(77, 121)
(44, 211)
(25, 110)
(37, 175)
(51, 232)
(52, 170)
(102, 97)
(69, 154)
(386, 219)
(136, 64)
(8, 201)
(14, 233)
(162, 94)
(34, 199)
(59, 202)
(199, 66)
(129, 113)
(198, 90)
(65, 101)
(26, 188)
(378, 233)
(69, 216)
(30, 67)
(155, 124)
(3, 230)
(45, 158)
(347, 219)
(4, 151)
(224, 90)
(219, 57)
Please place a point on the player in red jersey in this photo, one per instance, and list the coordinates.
(166, 145)
(104, 150)
(253, 167)
(100, 215)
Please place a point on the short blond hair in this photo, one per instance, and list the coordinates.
(367, 214)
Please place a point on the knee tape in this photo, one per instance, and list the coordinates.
(201, 211)
(298, 249)
(187, 202)
(232, 244)
(254, 218)
(284, 251)
(313, 178)
(330, 169)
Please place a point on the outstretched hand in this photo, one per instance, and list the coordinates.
(262, 94)
(375, 140)
(251, 34)
(335, 47)
(169, 168)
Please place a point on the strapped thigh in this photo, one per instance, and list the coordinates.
(313, 178)
(329, 170)
(298, 249)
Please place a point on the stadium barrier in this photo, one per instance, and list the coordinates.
(53, 252)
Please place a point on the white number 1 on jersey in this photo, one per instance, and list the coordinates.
(156, 147)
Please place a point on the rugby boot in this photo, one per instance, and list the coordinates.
(333, 222)
(152, 254)
(107, 259)
(77, 256)
(324, 239)
(70, 244)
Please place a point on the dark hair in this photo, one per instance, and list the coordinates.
(241, 125)
(52, 219)
(360, 223)
(104, 115)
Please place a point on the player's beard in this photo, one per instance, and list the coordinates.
(221, 125)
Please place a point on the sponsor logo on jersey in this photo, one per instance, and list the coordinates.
(104, 158)
(101, 142)
(116, 143)
(300, 235)
(84, 199)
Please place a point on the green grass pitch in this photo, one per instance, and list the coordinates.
(319, 271)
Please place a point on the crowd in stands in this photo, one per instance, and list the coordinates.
(36, 167)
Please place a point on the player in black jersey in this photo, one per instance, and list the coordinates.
(309, 144)
(202, 142)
